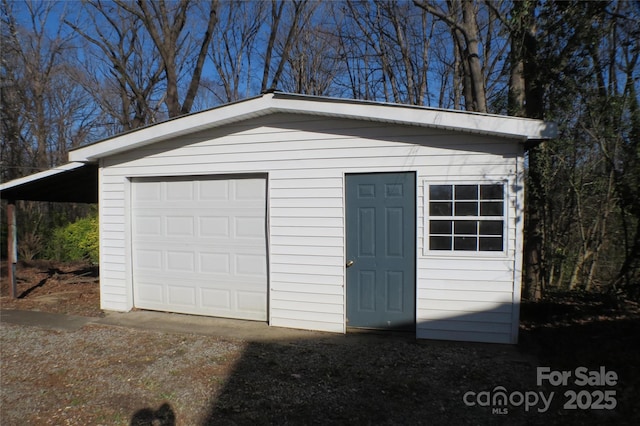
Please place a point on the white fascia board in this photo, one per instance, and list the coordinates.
(40, 175)
(462, 121)
(522, 129)
(192, 123)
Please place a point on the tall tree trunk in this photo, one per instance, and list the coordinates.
(534, 284)
(472, 36)
(525, 99)
(461, 20)
(165, 27)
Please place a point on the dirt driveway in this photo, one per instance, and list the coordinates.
(121, 376)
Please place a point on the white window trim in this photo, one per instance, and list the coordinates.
(465, 253)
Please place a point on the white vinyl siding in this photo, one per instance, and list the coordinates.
(115, 293)
(306, 159)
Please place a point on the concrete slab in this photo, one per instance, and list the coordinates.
(252, 331)
(44, 319)
(249, 331)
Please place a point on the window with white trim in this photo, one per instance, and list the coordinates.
(466, 217)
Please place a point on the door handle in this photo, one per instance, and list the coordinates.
(350, 263)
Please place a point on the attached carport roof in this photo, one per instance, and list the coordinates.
(72, 182)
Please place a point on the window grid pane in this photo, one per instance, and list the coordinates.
(491, 192)
(437, 208)
(465, 243)
(466, 208)
(440, 227)
(467, 227)
(491, 227)
(466, 192)
(440, 192)
(481, 206)
(491, 208)
(490, 244)
(440, 243)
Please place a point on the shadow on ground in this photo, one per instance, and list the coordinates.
(163, 416)
(394, 379)
(571, 330)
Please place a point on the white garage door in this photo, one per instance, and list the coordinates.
(199, 246)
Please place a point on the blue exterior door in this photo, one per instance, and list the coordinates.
(381, 240)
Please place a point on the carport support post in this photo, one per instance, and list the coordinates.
(12, 246)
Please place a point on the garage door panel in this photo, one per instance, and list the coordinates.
(179, 190)
(148, 259)
(215, 263)
(216, 298)
(179, 226)
(205, 254)
(148, 225)
(180, 295)
(250, 301)
(222, 264)
(249, 227)
(153, 293)
(147, 191)
(214, 189)
(214, 226)
(250, 265)
(248, 190)
(179, 261)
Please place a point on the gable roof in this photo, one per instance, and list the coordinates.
(277, 102)
(77, 181)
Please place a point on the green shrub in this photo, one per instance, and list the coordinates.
(76, 241)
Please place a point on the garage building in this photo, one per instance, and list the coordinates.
(318, 213)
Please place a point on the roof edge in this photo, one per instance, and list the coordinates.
(185, 124)
(40, 175)
(518, 128)
(492, 124)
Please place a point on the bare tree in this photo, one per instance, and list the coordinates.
(38, 93)
(355, 53)
(405, 37)
(126, 75)
(232, 46)
(166, 24)
(617, 134)
(146, 51)
(43, 111)
(385, 48)
(573, 184)
(12, 83)
(314, 61)
(460, 17)
(286, 22)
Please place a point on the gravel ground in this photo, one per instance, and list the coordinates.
(104, 375)
(111, 376)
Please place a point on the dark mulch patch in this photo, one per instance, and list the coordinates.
(66, 288)
(569, 330)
